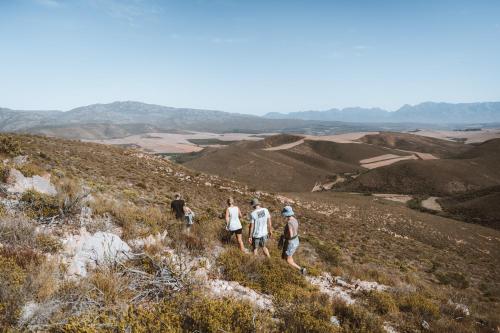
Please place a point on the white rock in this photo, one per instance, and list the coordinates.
(149, 240)
(35, 313)
(18, 183)
(85, 249)
(464, 309)
(234, 289)
(388, 328)
(20, 160)
(335, 321)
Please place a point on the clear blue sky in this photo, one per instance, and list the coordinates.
(248, 56)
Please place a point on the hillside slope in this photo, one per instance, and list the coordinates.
(475, 169)
(296, 168)
(417, 143)
(374, 266)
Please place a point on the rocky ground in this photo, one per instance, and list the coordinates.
(87, 244)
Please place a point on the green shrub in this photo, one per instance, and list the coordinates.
(47, 243)
(355, 319)
(222, 315)
(456, 280)
(38, 205)
(381, 302)
(12, 278)
(30, 170)
(3, 210)
(310, 314)
(419, 305)
(9, 146)
(327, 251)
(270, 275)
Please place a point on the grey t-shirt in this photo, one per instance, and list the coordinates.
(259, 219)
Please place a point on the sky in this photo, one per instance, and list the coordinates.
(254, 56)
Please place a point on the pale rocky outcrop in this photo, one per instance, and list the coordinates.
(233, 289)
(90, 250)
(17, 183)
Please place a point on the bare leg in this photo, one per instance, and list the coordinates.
(240, 242)
(266, 252)
(292, 263)
(255, 251)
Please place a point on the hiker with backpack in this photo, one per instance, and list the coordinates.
(233, 223)
(290, 238)
(177, 207)
(260, 228)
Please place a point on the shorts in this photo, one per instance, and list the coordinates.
(189, 219)
(259, 242)
(236, 232)
(290, 247)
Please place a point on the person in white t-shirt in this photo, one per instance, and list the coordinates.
(233, 223)
(260, 228)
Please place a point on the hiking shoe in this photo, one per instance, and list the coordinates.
(303, 271)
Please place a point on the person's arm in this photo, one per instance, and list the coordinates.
(172, 207)
(239, 213)
(250, 230)
(227, 218)
(270, 226)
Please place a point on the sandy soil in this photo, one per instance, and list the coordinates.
(432, 204)
(394, 197)
(175, 143)
(339, 138)
(389, 161)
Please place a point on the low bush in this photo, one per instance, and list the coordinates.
(40, 206)
(354, 319)
(419, 305)
(454, 279)
(310, 314)
(47, 243)
(30, 170)
(381, 302)
(330, 253)
(269, 275)
(12, 278)
(9, 146)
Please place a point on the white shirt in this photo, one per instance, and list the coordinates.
(234, 219)
(259, 219)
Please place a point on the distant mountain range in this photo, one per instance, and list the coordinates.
(119, 119)
(428, 113)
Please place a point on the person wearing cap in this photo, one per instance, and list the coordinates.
(177, 207)
(260, 228)
(291, 237)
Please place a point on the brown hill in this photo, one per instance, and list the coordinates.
(481, 207)
(417, 143)
(473, 170)
(295, 169)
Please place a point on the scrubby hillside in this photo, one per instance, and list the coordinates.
(373, 266)
(286, 162)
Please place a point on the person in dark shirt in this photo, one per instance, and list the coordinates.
(177, 207)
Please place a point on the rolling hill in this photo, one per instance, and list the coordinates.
(277, 164)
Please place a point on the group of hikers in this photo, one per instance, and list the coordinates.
(260, 228)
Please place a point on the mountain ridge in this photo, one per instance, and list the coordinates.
(426, 112)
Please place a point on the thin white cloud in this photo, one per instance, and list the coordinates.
(48, 3)
(128, 10)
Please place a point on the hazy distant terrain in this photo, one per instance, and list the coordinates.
(429, 112)
(122, 119)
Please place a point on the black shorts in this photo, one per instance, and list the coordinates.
(236, 232)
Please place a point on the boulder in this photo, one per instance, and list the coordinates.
(92, 250)
(18, 183)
